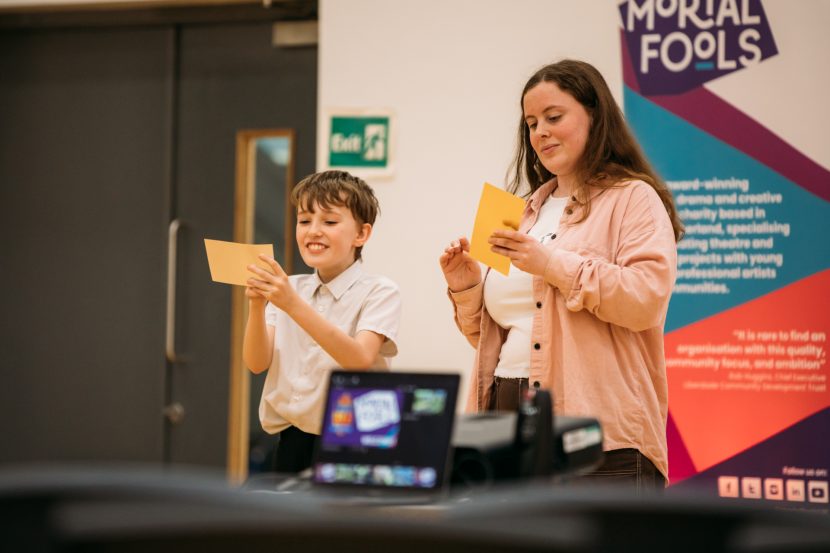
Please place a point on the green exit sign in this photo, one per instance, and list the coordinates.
(359, 141)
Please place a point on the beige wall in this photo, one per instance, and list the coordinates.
(452, 71)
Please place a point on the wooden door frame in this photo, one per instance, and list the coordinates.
(239, 422)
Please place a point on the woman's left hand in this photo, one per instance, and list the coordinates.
(524, 251)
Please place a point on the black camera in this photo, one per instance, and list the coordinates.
(529, 443)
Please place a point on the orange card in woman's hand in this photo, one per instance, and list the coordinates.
(497, 209)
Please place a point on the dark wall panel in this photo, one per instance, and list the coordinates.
(83, 209)
(106, 134)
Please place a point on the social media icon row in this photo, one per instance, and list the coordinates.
(776, 489)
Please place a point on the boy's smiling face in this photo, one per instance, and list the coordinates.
(327, 238)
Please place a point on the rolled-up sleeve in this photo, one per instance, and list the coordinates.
(467, 306)
(633, 291)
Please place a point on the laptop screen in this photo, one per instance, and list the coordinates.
(386, 430)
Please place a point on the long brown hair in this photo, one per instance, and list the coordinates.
(611, 153)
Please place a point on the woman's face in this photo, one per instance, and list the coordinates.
(558, 127)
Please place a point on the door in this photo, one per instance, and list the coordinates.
(107, 136)
(83, 213)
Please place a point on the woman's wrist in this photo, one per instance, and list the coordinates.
(462, 289)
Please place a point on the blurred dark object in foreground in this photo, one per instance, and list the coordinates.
(129, 509)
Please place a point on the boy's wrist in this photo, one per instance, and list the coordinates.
(291, 303)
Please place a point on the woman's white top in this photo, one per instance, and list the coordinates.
(509, 299)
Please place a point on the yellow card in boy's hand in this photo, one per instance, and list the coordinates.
(229, 260)
(497, 209)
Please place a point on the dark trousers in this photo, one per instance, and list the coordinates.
(294, 450)
(507, 393)
(623, 468)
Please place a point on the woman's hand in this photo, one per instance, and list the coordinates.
(524, 251)
(271, 286)
(460, 270)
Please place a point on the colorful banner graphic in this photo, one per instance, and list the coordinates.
(746, 335)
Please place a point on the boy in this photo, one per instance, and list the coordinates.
(302, 326)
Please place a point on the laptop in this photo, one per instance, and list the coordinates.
(386, 437)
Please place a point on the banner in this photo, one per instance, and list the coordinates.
(746, 334)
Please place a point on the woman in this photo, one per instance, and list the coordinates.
(594, 261)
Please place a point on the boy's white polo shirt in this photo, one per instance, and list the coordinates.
(295, 386)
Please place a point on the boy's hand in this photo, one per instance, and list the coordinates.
(254, 297)
(271, 286)
(460, 270)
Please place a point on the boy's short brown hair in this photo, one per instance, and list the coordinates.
(337, 188)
